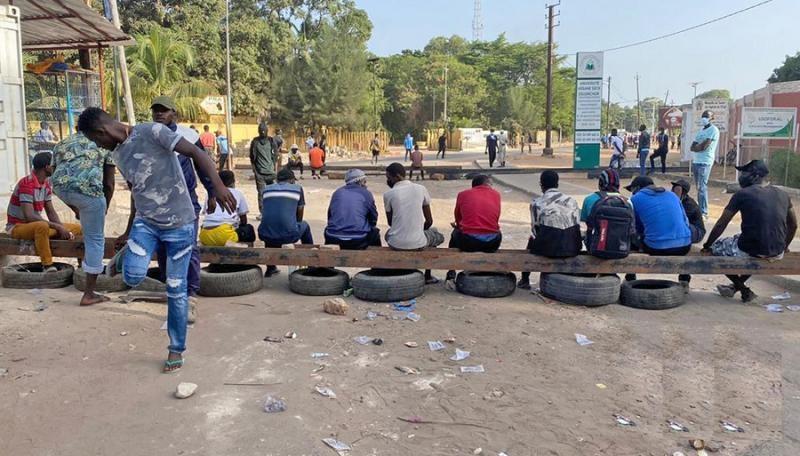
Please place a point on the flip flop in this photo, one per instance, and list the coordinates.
(172, 366)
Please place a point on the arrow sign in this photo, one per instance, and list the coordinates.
(213, 104)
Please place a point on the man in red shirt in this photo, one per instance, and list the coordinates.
(208, 140)
(477, 215)
(31, 196)
(316, 159)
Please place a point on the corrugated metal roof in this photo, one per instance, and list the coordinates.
(65, 24)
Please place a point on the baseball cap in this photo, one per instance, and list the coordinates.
(684, 184)
(164, 101)
(354, 175)
(639, 182)
(757, 167)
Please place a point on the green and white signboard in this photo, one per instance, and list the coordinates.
(772, 123)
(588, 102)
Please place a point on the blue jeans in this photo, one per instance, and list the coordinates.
(701, 173)
(643, 161)
(143, 241)
(304, 236)
(92, 210)
(193, 277)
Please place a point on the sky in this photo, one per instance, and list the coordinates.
(738, 53)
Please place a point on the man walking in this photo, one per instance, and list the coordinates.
(263, 158)
(491, 147)
(768, 225)
(661, 152)
(704, 147)
(643, 149)
(408, 143)
(164, 212)
(617, 150)
(375, 148)
(208, 140)
(502, 148)
(84, 180)
(442, 145)
(222, 149)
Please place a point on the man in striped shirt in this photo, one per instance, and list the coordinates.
(282, 205)
(31, 196)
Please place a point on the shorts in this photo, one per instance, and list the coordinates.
(375, 153)
(218, 236)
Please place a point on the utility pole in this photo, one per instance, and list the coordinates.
(694, 85)
(444, 116)
(123, 68)
(548, 149)
(608, 105)
(228, 108)
(434, 106)
(638, 103)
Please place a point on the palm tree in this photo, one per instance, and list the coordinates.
(158, 65)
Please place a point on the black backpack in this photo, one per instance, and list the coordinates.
(611, 226)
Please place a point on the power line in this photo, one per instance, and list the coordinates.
(638, 43)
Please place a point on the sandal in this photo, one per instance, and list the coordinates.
(172, 366)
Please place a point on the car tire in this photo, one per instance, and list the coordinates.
(652, 294)
(151, 282)
(318, 281)
(588, 290)
(226, 280)
(104, 282)
(388, 285)
(486, 284)
(30, 275)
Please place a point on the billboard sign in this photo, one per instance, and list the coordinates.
(588, 103)
(670, 118)
(774, 123)
(718, 106)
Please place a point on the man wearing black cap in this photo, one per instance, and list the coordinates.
(681, 188)
(661, 223)
(768, 225)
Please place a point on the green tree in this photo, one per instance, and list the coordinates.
(716, 93)
(789, 71)
(158, 65)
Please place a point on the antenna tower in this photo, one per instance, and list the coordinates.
(477, 22)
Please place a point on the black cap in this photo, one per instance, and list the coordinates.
(684, 184)
(757, 167)
(639, 182)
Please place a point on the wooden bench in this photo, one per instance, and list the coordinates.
(443, 259)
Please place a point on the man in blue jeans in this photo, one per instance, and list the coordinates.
(165, 216)
(282, 205)
(643, 149)
(704, 147)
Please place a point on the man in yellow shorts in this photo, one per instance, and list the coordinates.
(221, 228)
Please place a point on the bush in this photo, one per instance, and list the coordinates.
(777, 168)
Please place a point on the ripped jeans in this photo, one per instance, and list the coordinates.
(143, 241)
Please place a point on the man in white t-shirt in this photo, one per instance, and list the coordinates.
(221, 228)
(408, 212)
(502, 148)
(617, 150)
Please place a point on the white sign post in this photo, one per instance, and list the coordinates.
(770, 123)
(588, 103)
(213, 105)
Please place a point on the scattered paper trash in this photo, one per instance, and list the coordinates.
(460, 355)
(413, 316)
(409, 306)
(730, 427)
(320, 355)
(407, 370)
(273, 339)
(602, 386)
(676, 426)
(411, 344)
(623, 421)
(371, 315)
(450, 340)
(473, 369)
(123, 333)
(336, 445)
(582, 340)
(325, 391)
(164, 325)
(435, 345)
(362, 340)
(290, 335)
(502, 453)
(782, 297)
(774, 308)
(347, 292)
(40, 307)
(793, 308)
(274, 405)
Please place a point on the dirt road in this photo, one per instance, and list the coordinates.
(76, 385)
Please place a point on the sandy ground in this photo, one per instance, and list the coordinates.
(77, 386)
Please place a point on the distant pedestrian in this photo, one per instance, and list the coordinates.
(704, 147)
(408, 143)
(45, 134)
(310, 142)
(222, 149)
(502, 148)
(617, 150)
(643, 149)
(416, 163)
(375, 148)
(442, 145)
(316, 159)
(661, 151)
(295, 160)
(263, 158)
(491, 147)
(208, 140)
